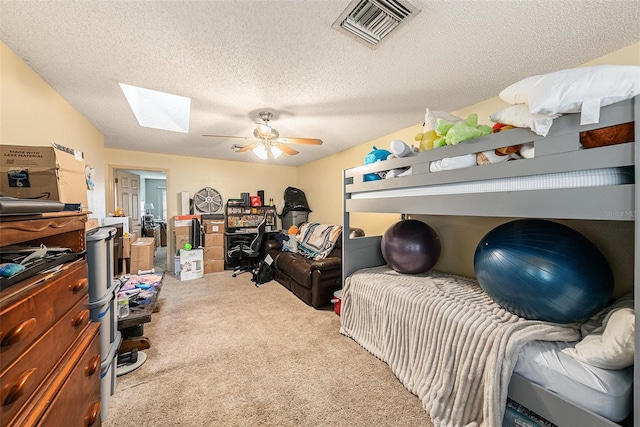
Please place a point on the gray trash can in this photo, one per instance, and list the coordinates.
(293, 218)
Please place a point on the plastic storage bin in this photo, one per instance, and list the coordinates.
(293, 218)
(105, 311)
(108, 376)
(100, 261)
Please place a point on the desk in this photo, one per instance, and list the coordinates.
(132, 326)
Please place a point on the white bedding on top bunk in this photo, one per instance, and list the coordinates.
(604, 391)
(444, 338)
(572, 179)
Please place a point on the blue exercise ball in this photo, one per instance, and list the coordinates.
(543, 270)
(410, 246)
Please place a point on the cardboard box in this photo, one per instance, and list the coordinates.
(46, 173)
(213, 240)
(181, 241)
(142, 251)
(184, 220)
(126, 247)
(213, 266)
(182, 230)
(91, 224)
(213, 227)
(213, 252)
(191, 264)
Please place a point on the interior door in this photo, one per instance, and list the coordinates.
(127, 187)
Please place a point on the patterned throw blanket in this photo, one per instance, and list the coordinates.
(316, 241)
(444, 338)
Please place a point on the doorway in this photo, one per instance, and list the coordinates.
(142, 195)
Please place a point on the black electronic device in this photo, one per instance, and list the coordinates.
(51, 258)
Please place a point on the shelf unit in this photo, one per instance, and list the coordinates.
(247, 218)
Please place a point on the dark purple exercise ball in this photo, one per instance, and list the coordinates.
(410, 247)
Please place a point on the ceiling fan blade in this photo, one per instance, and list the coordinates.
(307, 141)
(248, 147)
(285, 148)
(270, 155)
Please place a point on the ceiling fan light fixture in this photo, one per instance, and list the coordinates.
(264, 131)
(262, 152)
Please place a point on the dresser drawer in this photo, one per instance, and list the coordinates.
(78, 402)
(21, 379)
(23, 321)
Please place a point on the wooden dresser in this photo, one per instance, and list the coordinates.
(49, 347)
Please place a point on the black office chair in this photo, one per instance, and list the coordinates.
(245, 253)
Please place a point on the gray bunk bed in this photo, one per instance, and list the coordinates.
(560, 151)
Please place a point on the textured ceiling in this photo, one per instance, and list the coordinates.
(235, 58)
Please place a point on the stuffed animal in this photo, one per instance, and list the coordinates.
(501, 154)
(400, 149)
(376, 155)
(455, 133)
(291, 244)
(428, 134)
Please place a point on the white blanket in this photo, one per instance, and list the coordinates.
(444, 339)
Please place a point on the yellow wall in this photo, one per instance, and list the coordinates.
(32, 113)
(192, 174)
(459, 235)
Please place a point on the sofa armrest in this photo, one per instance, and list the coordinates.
(329, 263)
(272, 245)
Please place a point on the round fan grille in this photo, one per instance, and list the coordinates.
(207, 200)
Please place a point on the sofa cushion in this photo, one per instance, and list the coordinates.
(296, 266)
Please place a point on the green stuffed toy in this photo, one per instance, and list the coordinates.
(428, 134)
(455, 133)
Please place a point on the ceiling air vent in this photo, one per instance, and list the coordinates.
(370, 21)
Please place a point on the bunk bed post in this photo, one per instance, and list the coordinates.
(357, 252)
(346, 241)
(636, 274)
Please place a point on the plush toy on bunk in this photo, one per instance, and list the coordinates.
(543, 270)
(410, 247)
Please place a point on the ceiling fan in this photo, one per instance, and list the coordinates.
(267, 143)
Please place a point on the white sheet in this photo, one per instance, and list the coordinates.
(573, 179)
(606, 392)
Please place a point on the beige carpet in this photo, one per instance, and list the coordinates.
(225, 353)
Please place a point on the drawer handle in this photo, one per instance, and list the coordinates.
(92, 416)
(17, 388)
(93, 365)
(81, 319)
(18, 332)
(79, 285)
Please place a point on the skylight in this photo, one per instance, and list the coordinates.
(158, 110)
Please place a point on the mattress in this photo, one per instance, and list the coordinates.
(606, 392)
(549, 181)
(443, 337)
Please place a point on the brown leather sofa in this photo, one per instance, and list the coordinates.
(314, 282)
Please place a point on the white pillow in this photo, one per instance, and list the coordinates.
(583, 89)
(519, 115)
(612, 348)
